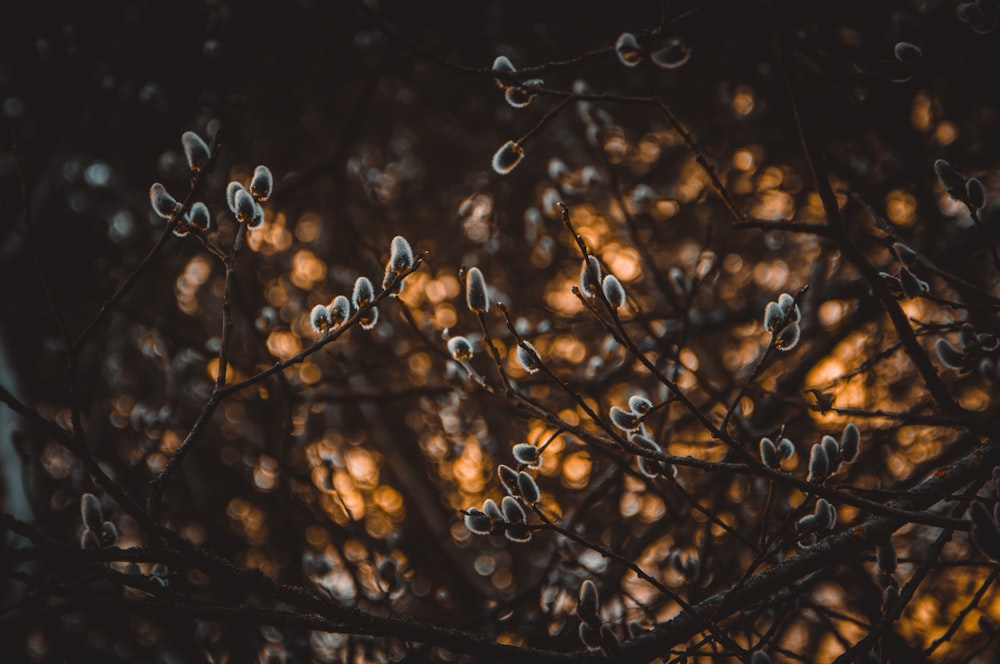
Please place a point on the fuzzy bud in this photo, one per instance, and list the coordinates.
(90, 511)
(788, 338)
(478, 523)
(475, 292)
(614, 293)
(769, 454)
(460, 348)
(639, 405)
(363, 293)
(231, 190)
(199, 216)
(589, 604)
(320, 318)
(527, 454)
(163, 203)
(786, 448)
(195, 150)
(492, 510)
(976, 193)
(628, 50)
(850, 443)
(246, 206)
(590, 276)
(512, 510)
(261, 183)
(527, 357)
(950, 356)
(507, 157)
(527, 487)
(340, 310)
(508, 478)
(819, 463)
(400, 254)
(673, 54)
(951, 179)
(623, 419)
(773, 316)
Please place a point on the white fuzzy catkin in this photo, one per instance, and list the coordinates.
(261, 183)
(476, 296)
(614, 293)
(507, 157)
(196, 150)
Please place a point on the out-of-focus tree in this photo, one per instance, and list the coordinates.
(548, 332)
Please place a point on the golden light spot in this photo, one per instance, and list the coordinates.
(946, 133)
(309, 373)
(901, 207)
(623, 262)
(576, 470)
(307, 227)
(307, 269)
(743, 101)
(283, 344)
(390, 500)
(743, 160)
(362, 466)
(568, 348)
(921, 116)
(445, 316)
(212, 368)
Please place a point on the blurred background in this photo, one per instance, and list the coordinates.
(347, 473)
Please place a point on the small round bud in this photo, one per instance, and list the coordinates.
(850, 442)
(613, 291)
(953, 181)
(231, 190)
(907, 52)
(478, 523)
(340, 310)
(673, 54)
(976, 193)
(246, 206)
(507, 157)
(363, 293)
(639, 405)
(832, 449)
(527, 487)
(195, 150)
(460, 348)
(628, 50)
(527, 357)
(400, 254)
(786, 449)
(320, 318)
(492, 510)
(199, 216)
(819, 463)
(475, 292)
(527, 454)
(769, 454)
(163, 203)
(90, 510)
(950, 356)
(503, 65)
(788, 338)
(512, 510)
(589, 636)
(773, 316)
(589, 604)
(508, 478)
(590, 276)
(623, 419)
(89, 540)
(109, 534)
(261, 183)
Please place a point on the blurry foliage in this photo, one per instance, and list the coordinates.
(352, 473)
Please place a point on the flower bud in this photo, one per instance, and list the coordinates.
(320, 318)
(949, 355)
(363, 293)
(623, 419)
(400, 254)
(246, 206)
(832, 449)
(195, 150)
(231, 190)
(769, 454)
(527, 454)
(589, 604)
(826, 515)
(460, 348)
(261, 183)
(512, 510)
(163, 203)
(589, 636)
(507, 157)
(340, 310)
(953, 181)
(673, 54)
(492, 510)
(508, 478)
(478, 523)
(850, 442)
(639, 405)
(199, 216)
(907, 52)
(819, 463)
(773, 316)
(89, 540)
(527, 487)
(613, 291)
(590, 276)
(475, 292)
(788, 338)
(628, 50)
(976, 193)
(905, 253)
(786, 449)
(90, 510)
(527, 357)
